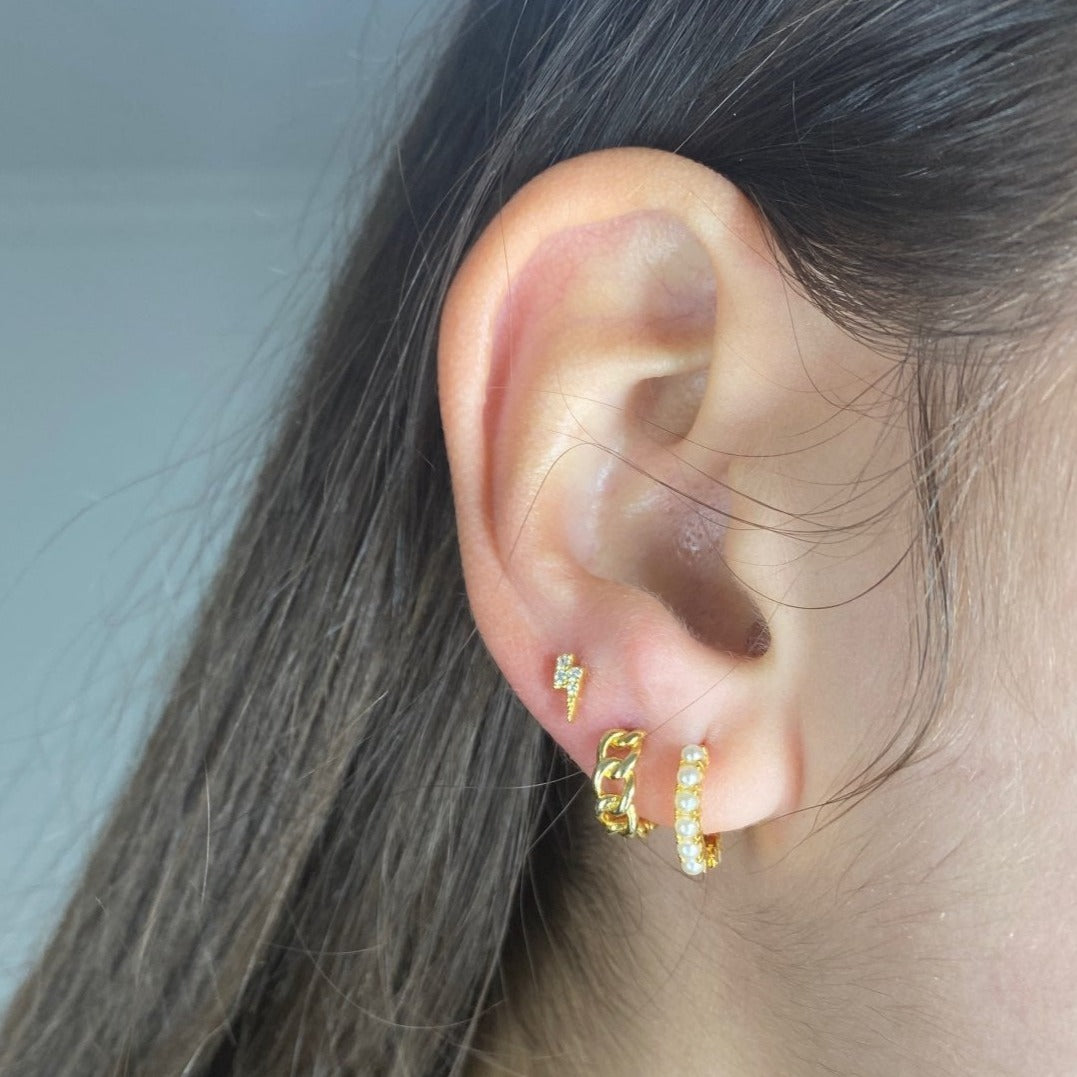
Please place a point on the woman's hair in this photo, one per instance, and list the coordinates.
(343, 823)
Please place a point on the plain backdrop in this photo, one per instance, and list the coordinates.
(172, 185)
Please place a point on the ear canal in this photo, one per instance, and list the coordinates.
(721, 614)
(676, 550)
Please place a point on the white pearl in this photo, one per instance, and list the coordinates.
(688, 776)
(687, 802)
(693, 867)
(687, 828)
(690, 850)
(693, 753)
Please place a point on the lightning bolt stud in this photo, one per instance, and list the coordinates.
(569, 676)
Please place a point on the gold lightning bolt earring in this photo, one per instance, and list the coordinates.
(569, 676)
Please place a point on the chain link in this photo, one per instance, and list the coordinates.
(618, 754)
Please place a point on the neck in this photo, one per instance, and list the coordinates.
(832, 954)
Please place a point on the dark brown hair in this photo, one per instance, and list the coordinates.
(334, 830)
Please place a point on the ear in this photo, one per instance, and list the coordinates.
(660, 457)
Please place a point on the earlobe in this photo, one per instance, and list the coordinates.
(619, 358)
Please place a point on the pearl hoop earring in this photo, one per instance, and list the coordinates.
(697, 851)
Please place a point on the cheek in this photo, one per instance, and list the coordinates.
(1029, 930)
(1014, 548)
(1042, 622)
(1002, 804)
(1027, 799)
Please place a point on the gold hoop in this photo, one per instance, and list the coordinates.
(697, 851)
(617, 756)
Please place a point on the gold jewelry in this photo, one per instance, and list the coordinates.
(698, 851)
(569, 676)
(618, 754)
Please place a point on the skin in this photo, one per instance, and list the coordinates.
(655, 441)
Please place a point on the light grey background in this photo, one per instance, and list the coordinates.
(171, 180)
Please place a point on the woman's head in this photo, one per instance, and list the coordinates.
(668, 460)
(740, 330)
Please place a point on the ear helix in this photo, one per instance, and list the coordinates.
(614, 783)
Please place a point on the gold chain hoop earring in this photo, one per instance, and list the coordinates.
(618, 754)
(698, 851)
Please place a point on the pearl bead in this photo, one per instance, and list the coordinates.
(687, 828)
(690, 850)
(687, 802)
(694, 754)
(688, 776)
(693, 867)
